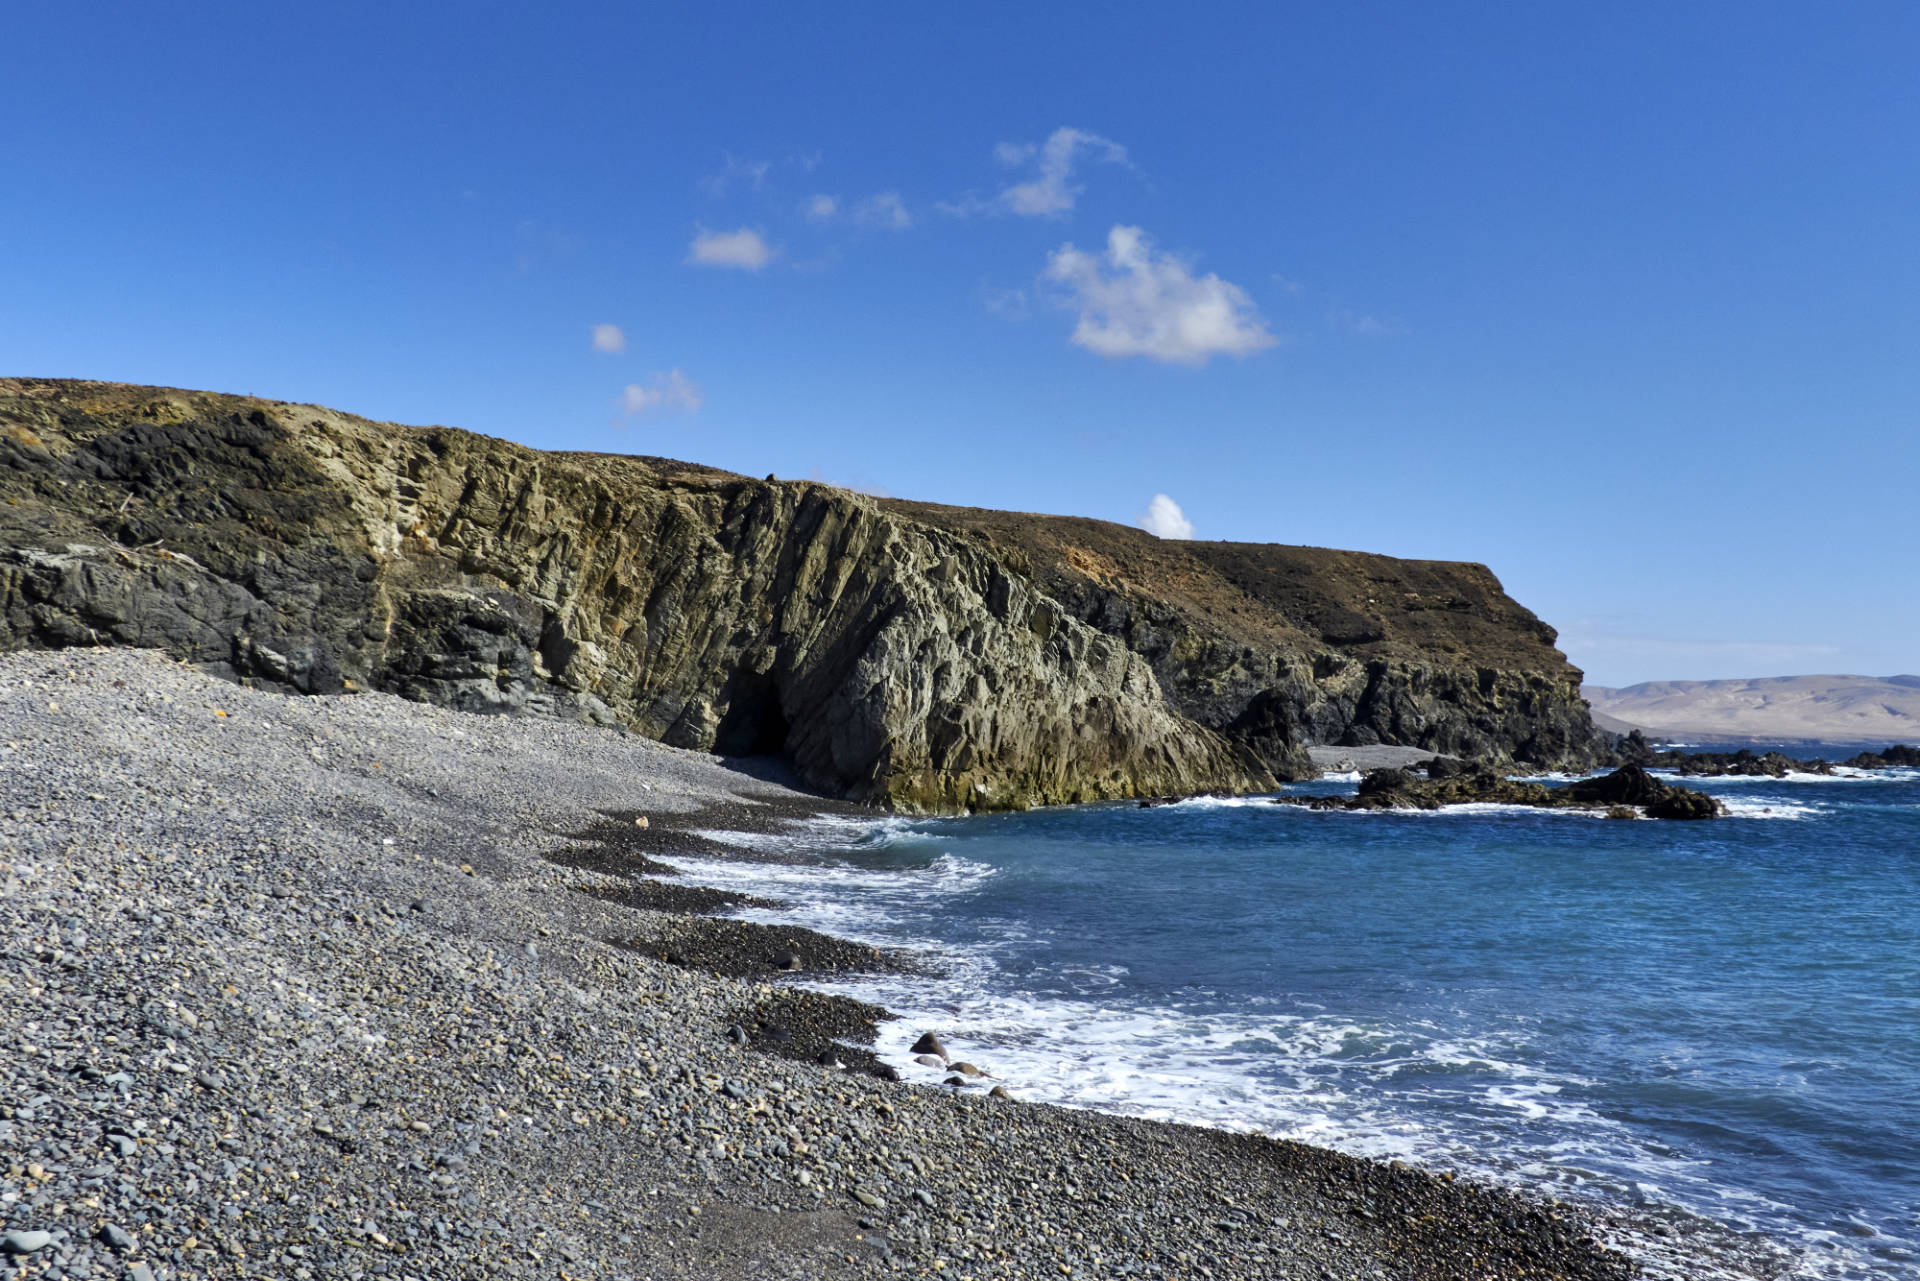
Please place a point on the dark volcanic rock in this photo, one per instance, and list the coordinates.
(928, 659)
(1743, 763)
(1746, 763)
(1899, 756)
(1679, 802)
(1627, 787)
(816, 1027)
(748, 949)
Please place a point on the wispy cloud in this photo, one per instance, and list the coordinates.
(736, 171)
(1008, 304)
(885, 211)
(609, 338)
(1143, 303)
(1364, 324)
(745, 249)
(1048, 190)
(671, 390)
(1164, 519)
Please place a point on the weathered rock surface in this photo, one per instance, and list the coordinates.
(922, 658)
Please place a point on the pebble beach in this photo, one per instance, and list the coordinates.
(356, 987)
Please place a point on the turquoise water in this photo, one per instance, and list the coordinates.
(1712, 1027)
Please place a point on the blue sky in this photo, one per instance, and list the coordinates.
(1619, 300)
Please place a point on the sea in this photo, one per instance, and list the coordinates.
(1707, 1031)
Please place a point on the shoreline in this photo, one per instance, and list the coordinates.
(372, 925)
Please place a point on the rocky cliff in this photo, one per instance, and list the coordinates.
(1276, 646)
(924, 658)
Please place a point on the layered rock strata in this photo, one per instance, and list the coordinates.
(923, 658)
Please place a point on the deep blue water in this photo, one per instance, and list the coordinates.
(1697, 1023)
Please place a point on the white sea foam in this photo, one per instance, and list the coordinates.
(865, 904)
(1464, 809)
(821, 834)
(1768, 807)
(1841, 774)
(1192, 803)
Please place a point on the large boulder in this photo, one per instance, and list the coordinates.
(1628, 785)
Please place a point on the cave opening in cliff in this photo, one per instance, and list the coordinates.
(755, 724)
(771, 738)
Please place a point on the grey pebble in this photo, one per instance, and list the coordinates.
(25, 1241)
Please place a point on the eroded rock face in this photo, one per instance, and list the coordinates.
(930, 659)
(891, 661)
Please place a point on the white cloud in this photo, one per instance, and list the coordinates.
(745, 249)
(1152, 304)
(671, 390)
(1164, 519)
(822, 208)
(609, 338)
(1050, 193)
(884, 210)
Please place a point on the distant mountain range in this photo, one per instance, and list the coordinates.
(1833, 709)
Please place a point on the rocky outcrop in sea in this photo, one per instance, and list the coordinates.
(1747, 763)
(1628, 792)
